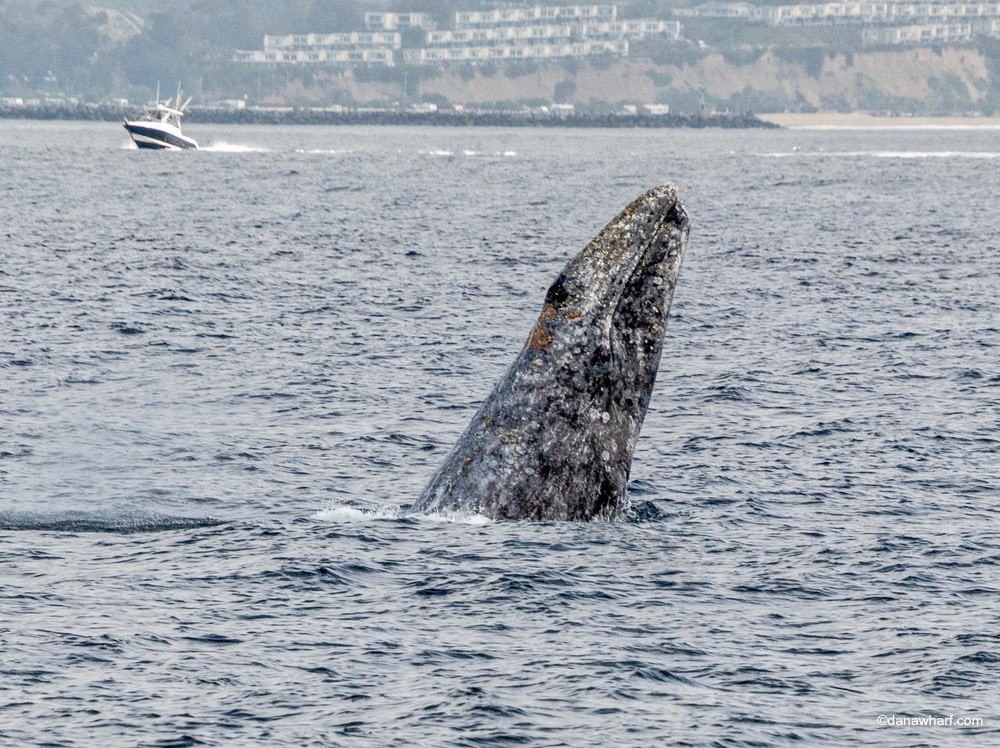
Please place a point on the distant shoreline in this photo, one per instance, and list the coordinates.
(303, 116)
(861, 120)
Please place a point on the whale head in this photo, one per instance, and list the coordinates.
(555, 438)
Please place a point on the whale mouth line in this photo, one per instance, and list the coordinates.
(642, 264)
(620, 297)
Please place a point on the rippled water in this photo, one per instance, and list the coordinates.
(224, 371)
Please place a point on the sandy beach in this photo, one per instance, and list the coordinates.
(837, 120)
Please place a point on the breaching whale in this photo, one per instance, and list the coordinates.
(554, 440)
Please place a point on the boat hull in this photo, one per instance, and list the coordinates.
(149, 135)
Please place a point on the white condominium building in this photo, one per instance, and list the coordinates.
(534, 15)
(863, 12)
(538, 32)
(508, 52)
(349, 40)
(394, 21)
(878, 13)
(497, 35)
(928, 33)
(633, 29)
(722, 10)
(636, 29)
(348, 48)
(319, 56)
(931, 33)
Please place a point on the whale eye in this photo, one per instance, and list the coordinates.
(557, 292)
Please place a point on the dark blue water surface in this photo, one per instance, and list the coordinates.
(223, 372)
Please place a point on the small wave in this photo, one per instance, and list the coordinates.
(339, 513)
(223, 147)
(466, 152)
(934, 154)
(124, 523)
(323, 151)
(458, 518)
(342, 514)
(888, 154)
(639, 512)
(644, 511)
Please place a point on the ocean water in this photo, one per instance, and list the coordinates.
(225, 373)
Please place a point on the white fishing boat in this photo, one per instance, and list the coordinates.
(160, 126)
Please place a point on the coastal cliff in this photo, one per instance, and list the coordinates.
(914, 80)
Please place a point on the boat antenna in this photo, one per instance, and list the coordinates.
(157, 92)
(178, 104)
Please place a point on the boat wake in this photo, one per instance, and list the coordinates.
(224, 147)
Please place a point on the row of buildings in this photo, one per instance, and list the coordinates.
(847, 12)
(910, 22)
(528, 16)
(932, 33)
(506, 34)
(349, 48)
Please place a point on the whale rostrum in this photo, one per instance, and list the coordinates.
(554, 440)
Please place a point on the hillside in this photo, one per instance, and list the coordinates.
(948, 80)
(123, 48)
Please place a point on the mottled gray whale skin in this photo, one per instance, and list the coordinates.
(554, 440)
